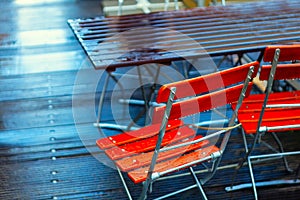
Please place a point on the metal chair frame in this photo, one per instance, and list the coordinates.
(261, 130)
(163, 114)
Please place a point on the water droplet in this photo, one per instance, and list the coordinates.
(53, 150)
(53, 158)
(50, 107)
(54, 172)
(54, 181)
(52, 138)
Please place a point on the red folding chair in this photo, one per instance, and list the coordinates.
(271, 112)
(171, 144)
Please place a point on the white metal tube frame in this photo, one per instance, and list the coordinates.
(143, 5)
(215, 157)
(263, 129)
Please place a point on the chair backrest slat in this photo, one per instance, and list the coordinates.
(283, 71)
(206, 83)
(201, 103)
(287, 52)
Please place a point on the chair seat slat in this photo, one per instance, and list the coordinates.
(271, 115)
(141, 160)
(148, 144)
(254, 102)
(250, 127)
(132, 136)
(273, 96)
(138, 176)
(251, 108)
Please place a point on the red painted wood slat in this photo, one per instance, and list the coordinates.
(206, 83)
(254, 102)
(141, 160)
(283, 71)
(251, 108)
(287, 52)
(201, 103)
(250, 127)
(132, 136)
(148, 144)
(138, 176)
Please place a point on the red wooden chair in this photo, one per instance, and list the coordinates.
(272, 112)
(170, 144)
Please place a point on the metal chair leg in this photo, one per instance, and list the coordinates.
(288, 169)
(264, 183)
(252, 178)
(124, 184)
(244, 159)
(241, 163)
(198, 183)
(245, 141)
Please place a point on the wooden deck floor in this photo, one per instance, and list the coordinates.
(41, 153)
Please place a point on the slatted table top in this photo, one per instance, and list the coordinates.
(131, 40)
